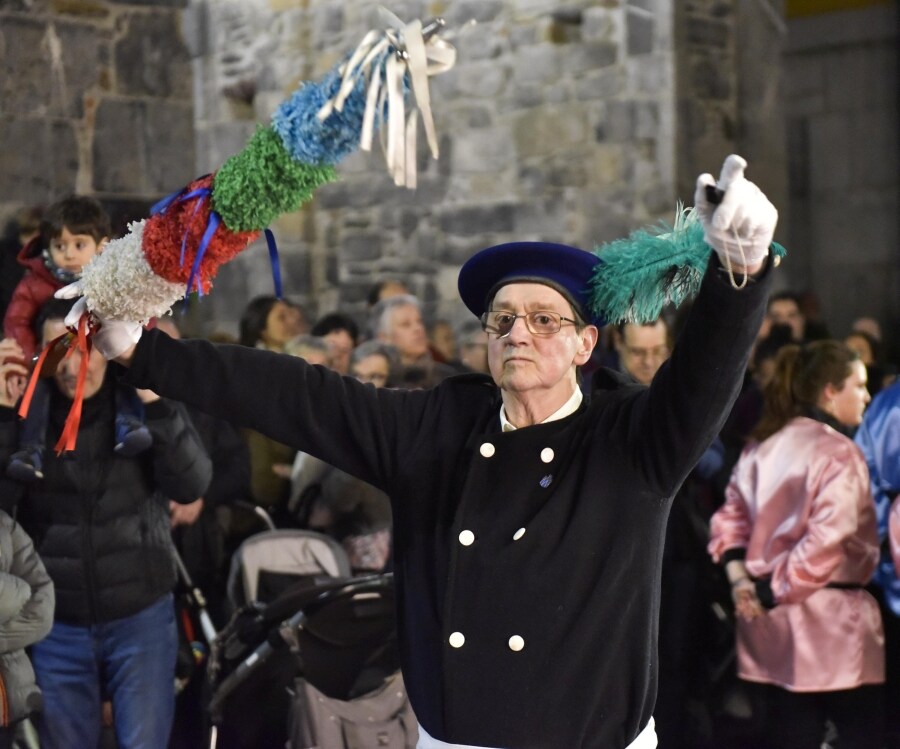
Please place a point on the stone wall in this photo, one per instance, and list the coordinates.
(575, 122)
(95, 98)
(557, 123)
(842, 123)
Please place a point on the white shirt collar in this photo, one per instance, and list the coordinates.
(568, 408)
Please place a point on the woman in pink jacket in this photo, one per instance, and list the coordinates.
(797, 535)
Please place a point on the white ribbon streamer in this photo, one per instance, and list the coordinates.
(384, 59)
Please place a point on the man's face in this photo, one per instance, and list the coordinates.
(643, 349)
(786, 312)
(406, 332)
(523, 363)
(67, 372)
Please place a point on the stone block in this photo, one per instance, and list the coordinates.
(29, 80)
(618, 124)
(709, 80)
(153, 3)
(646, 119)
(526, 96)
(602, 24)
(640, 31)
(118, 147)
(481, 80)
(551, 129)
(706, 32)
(483, 150)
(151, 58)
(589, 56)
(360, 247)
(466, 221)
(481, 11)
(40, 159)
(537, 64)
(600, 84)
(48, 68)
(170, 145)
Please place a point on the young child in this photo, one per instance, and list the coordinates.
(73, 231)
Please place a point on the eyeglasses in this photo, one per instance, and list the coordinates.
(539, 322)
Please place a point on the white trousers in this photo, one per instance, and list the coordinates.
(646, 739)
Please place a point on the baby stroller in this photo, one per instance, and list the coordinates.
(309, 659)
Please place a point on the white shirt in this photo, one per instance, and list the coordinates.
(569, 407)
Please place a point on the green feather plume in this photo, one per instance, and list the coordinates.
(651, 268)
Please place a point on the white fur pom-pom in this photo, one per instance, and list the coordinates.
(119, 284)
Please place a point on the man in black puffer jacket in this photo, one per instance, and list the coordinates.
(100, 522)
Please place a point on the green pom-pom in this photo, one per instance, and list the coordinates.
(261, 182)
(650, 268)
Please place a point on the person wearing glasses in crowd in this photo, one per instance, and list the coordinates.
(642, 348)
(528, 519)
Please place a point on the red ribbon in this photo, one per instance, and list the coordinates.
(82, 344)
(36, 375)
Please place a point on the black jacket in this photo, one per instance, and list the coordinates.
(99, 521)
(552, 599)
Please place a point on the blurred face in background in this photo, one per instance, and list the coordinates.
(643, 349)
(786, 312)
(67, 371)
(847, 403)
(372, 369)
(282, 324)
(340, 342)
(862, 347)
(473, 352)
(406, 332)
(444, 340)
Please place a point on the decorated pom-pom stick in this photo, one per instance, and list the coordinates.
(382, 86)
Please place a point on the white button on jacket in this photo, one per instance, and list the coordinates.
(467, 538)
(487, 449)
(457, 640)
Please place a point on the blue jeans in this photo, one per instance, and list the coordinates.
(130, 661)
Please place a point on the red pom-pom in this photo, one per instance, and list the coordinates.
(165, 232)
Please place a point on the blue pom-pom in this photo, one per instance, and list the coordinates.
(312, 141)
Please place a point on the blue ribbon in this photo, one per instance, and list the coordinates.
(214, 221)
(273, 258)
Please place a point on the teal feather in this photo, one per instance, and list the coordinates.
(649, 269)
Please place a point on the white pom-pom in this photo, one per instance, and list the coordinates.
(120, 285)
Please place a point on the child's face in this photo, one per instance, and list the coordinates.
(71, 252)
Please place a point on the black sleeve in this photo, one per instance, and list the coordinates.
(181, 467)
(674, 421)
(11, 492)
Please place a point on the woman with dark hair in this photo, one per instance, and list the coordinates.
(269, 322)
(797, 535)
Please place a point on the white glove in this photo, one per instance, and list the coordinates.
(741, 227)
(110, 337)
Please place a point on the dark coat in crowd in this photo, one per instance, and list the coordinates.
(100, 521)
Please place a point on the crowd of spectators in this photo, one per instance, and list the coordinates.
(728, 600)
